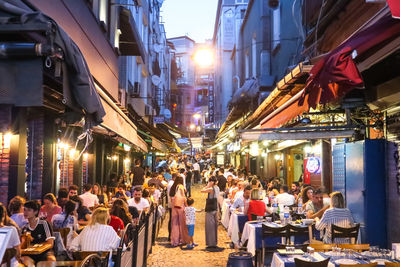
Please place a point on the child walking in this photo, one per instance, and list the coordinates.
(190, 213)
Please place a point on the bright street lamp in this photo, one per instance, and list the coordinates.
(204, 57)
(197, 116)
(192, 126)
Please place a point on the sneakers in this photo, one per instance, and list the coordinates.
(190, 246)
(195, 244)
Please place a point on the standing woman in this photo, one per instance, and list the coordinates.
(179, 234)
(211, 213)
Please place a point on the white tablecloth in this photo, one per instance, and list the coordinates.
(249, 234)
(278, 262)
(233, 228)
(226, 212)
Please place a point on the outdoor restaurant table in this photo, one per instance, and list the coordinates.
(252, 233)
(36, 249)
(288, 260)
(236, 225)
(226, 212)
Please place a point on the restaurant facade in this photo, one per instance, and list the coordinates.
(62, 118)
(331, 120)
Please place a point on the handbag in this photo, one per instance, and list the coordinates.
(211, 203)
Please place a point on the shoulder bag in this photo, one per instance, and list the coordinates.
(211, 203)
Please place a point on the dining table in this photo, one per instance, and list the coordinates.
(287, 260)
(36, 249)
(226, 213)
(237, 221)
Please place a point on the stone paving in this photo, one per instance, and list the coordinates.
(163, 255)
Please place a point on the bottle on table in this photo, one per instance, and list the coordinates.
(300, 206)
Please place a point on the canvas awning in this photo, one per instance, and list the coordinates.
(130, 43)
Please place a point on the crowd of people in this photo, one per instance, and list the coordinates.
(107, 209)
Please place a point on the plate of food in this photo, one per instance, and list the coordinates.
(307, 221)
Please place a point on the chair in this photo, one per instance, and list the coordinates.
(322, 247)
(301, 263)
(340, 232)
(392, 264)
(93, 260)
(356, 247)
(299, 232)
(81, 255)
(272, 232)
(8, 255)
(359, 265)
(58, 263)
(64, 234)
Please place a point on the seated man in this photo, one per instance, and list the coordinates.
(122, 192)
(138, 201)
(284, 198)
(38, 232)
(315, 208)
(240, 202)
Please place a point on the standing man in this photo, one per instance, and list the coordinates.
(188, 181)
(170, 183)
(138, 175)
(88, 199)
(196, 168)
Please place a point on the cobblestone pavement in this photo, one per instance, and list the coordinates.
(163, 255)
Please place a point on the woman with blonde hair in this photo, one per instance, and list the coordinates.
(338, 215)
(97, 236)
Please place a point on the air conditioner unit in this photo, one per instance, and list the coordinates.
(134, 90)
(148, 111)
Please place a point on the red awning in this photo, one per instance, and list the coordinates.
(336, 74)
(286, 112)
(394, 6)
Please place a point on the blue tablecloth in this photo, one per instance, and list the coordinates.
(242, 219)
(288, 261)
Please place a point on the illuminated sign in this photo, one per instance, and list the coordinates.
(314, 165)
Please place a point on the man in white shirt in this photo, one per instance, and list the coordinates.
(138, 202)
(284, 198)
(88, 199)
(196, 171)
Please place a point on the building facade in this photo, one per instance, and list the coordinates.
(183, 98)
(230, 14)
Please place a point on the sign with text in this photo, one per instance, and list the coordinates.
(158, 120)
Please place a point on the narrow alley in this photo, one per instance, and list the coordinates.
(196, 257)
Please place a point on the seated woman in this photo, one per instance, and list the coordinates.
(121, 210)
(50, 207)
(40, 233)
(13, 242)
(67, 219)
(97, 236)
(256, 205)
(337, 214)
(84, 213)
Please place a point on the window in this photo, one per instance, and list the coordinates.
(242, 13)
(247, 66)
(254, 57)
(188, 100)
(276, 27)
